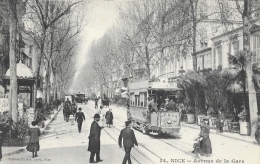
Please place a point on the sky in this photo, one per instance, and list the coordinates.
(99, 16)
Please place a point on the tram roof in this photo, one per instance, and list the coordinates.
(158, 85)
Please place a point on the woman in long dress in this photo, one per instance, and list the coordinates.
(34, 133)
(109, 118)
(205, 144)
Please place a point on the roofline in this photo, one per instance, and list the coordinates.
(203, 50)
(228, 32)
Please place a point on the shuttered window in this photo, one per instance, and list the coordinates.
(214, 58)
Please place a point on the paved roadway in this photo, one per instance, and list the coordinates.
(61, 143)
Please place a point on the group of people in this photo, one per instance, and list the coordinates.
(166, 105)
(203, 145)
(105, 117)
(69, 108)
(126, 134)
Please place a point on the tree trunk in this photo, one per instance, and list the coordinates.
(147, 62)
(194, 36)
(12, 55)
(194, 32)
(250, 85)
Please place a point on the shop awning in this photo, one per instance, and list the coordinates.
(22, 71)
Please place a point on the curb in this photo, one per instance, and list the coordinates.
(24, 148)
(55, 114)
(244, 140)
(15, 152)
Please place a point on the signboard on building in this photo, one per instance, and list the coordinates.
(4, 104)
(20, 109)
(30, 116)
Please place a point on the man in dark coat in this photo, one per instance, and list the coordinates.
(79, 118)
(152, 107)
(172, 105)
(129, 141)
(220, 123)
(94, 140)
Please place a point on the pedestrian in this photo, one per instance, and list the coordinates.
(94, 140)
(109, 118)
(128, 113)
(102, 115)
(129, 140)
(1, 142)
(66, 109)
(34, 133)
(80, 117)
(220, 123)
(96, 103)
(205, 143)
(172, 105)
(152, 107)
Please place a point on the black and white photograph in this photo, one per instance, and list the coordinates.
(130, 81)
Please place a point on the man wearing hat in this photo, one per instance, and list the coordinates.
(79, 118)
(94, 140)
(129, 141)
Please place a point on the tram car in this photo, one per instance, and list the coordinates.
(163, 121)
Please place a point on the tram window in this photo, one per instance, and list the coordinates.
(141, 99)
(137, 100)
(145, 99)
(132, 99)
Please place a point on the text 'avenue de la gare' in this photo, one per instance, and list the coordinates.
(201, 161)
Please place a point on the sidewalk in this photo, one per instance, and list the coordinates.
(7, 151)
(236, 136)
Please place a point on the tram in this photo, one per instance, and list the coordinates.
(163, 121)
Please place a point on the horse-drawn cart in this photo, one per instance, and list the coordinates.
(105, 103)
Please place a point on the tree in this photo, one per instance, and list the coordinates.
(13, 21)
(247, 11)
(194, 84)
(39, 21)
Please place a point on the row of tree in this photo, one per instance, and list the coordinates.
(53, 27)
(143, 32)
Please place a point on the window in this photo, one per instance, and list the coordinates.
(219, 51)
(132, 99)
(235, 45)
(145, 99)
(214, 58)
(256, 49)
(207, 60)
(141, 99)
(199, 62)
(202, 10)
(203, 37)
(137, 100)
(1, 19)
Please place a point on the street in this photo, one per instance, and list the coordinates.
(61, 143)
